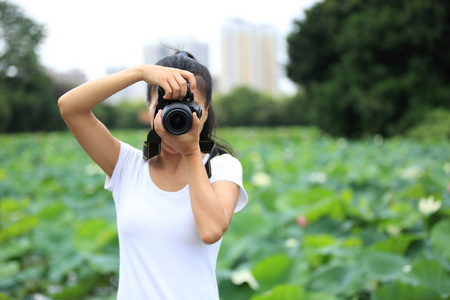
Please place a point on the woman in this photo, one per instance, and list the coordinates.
(170, 215)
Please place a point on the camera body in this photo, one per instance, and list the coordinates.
(177, 115)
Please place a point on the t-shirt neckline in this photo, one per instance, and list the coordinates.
(149, 178)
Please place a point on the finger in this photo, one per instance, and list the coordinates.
(191, 78)
(183, 86)
(195, 120)
(167, 90)
(158, 122)
(195, 128)
(175, 87)
(161, 130)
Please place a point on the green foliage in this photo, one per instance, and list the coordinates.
(440, 238)
(435, 125)
(27, 101)
(431, 274)
(401, 291)
(247, 107)
(50, 194)
(327, 219)
(20, 36)
(125, 115)
(335, 219)
(371, 66)
(282, 292)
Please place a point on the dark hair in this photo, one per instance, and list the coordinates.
(186, 61)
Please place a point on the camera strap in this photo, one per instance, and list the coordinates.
(211, 148)
(152, 147)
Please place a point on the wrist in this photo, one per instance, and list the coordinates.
(139, 70)
(192, 153)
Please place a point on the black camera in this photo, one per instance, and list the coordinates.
(177, 115)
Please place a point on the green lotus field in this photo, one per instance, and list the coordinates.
(327, 218)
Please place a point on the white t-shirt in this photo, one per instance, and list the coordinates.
(161, 253)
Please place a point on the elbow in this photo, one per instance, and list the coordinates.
(62, 105)
(210, 239)
(66, 107)
(212, 236)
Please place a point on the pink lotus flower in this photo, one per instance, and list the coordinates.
(302, 222)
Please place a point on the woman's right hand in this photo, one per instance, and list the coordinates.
(172, 80)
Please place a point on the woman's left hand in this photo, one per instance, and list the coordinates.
(186, 144)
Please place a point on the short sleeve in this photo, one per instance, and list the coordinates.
(125, 155)
(227, 168)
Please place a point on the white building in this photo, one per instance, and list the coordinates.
(249, 57)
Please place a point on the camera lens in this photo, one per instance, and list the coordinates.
(177, 118)
(177, 121)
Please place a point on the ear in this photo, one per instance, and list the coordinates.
(205, 113)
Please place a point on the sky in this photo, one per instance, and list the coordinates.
(92, 35)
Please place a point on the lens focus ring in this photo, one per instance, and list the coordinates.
(177, 118)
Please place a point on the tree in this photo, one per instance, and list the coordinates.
(27, 100)
(372, 66)
(247, 107)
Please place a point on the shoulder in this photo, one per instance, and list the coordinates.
(128, 162)
(226, 167)
(225, 161)
(225, 158)
(129, 152)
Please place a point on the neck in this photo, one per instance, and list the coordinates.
(169, 161)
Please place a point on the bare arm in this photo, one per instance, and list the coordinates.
(212, 205)
(76, 107)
